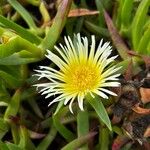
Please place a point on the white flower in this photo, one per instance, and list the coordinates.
(81, 71)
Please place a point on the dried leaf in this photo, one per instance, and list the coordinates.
(140, 110)
(147, 132)
(115, 119)
(145, 95)
(81, 12)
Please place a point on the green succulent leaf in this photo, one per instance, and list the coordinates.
(3, 146)
(13, 146)
(138, 22)
(24, 33)
(19, 51)
(77, 143)
(66, 133)
(57, 26)
(143, 45)
(127, 12)
(13, 106)
(98, 106)
(48, 139)
(4, 94)
(3, 128)
(24, 13)
(25, 141)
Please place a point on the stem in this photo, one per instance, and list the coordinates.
(48, 139)
(104, 138)
(83, 126)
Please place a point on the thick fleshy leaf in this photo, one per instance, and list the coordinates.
(19, 51)
(3, 128)
(83, 125)
(126, 12)
(4, 95)
(57, 26)
(13, 106)
(144, 42)
(48, 139)
(35, 107)
(98, 106)
(24, 13)
(20, 30)
(97, 29)
(101, 5)
(139, 21)
(66, 133)
(3, 146)
(13, 146)
(9, 79)
(104, 136)
(117, 40)
(25, 141)
(75, 144)
(11, 76)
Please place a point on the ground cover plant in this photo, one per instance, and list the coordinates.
(74, 74)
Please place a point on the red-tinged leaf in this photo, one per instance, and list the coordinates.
(116, 38)
(129, 72)
(133, 53)
(146, 60)
(119, 142)
(81, 12)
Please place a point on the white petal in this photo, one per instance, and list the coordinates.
(108, 91)
(69, 48)
(57, 99)
(62, 54)
(52, 70)
(68, 97)
(92, 50)
(80, 101)
(70, 105)
(110, 71)
(100, 94)
(110, 84)
(109, 60)
(55, 59)
(85, 41)
(113, 77)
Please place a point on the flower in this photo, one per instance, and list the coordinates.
(82, 70)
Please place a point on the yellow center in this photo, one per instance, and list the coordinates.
(81, 78)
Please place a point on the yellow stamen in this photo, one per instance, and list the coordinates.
(82, 78)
